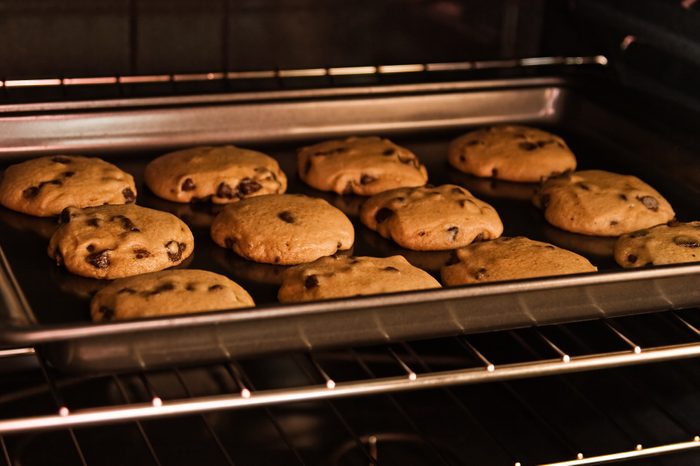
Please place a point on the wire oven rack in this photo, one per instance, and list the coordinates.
(446, 366)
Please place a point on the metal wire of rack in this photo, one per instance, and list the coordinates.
(442, 368)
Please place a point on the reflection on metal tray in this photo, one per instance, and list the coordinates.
(48, 307)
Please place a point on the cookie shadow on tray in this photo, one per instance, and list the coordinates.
(197, 215)
(598, 249)
(493, 188)
(430, 261)
(40, 226)
(349, 204)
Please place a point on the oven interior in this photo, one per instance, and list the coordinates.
(607, 390)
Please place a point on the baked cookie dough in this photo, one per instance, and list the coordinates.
(359, 165)
(282, 229)
(600, 203)
(342, 276)
(511, 259)
(46, 185)
(431, 218)
(222, 174)
(672, 243)
(167, 292)
(115, 241)
(511, 153)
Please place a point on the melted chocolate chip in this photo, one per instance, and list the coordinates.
(390, 269)
(93, 222)
(127, 290)
(175, 250)
(99, 260)
(277, 259)
(191, 286)
(383, 214)
(107, 312)
(90, 248)
(142, 253)
(229, 242)
(286, 216)
(631, 258)
(167, 286)
(494, 172)
(63, 160)
(126, 222)
(367, 179)
(622, 196)
(421, 232)
(454, 231)
(64, 217)
(311, 281)
(528, 146)
(649, 202)
(224, 191)
(473, 142)
(639, 234)
(30, 192)
(583, 186)
(613, 223)
(389, 152)
(481, 273)
(188, 185)
(67, 174)
(129, 195)
(686, 241)
(462, 158)
(248, 186)
(216, 287)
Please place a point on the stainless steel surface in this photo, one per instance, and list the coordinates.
(422, 117)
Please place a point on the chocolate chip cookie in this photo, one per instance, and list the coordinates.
(600, 203)
(119, 241)
(511, 153)
(511, 259)
(359, 165)
(672, 243)
(45, 186)
(431, 218)
(342, 276)
(221, 174)
(167, 292)
(282, 229)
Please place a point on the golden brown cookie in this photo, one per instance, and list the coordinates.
(511, 259)
(115, 241)
(672, 243)
(341, 276)
(222, 174)
(167, 292)
(511, 153)
(431, 218)
(283, 229)
(359, 165)
(45, 186)
(600, 203)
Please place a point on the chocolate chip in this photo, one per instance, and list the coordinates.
(622, 196)
(167, 286)
(90, 248)
(686, 241)
(340, 245)
(583, 186)
(462, 158)
(142, 253)
(93, 222)
(188, 185)
(99, 260)
(348, 188)
(127, 290)
(473, 142)
(277, 259)
(631, 258)
(649, 202)
(229, 242)
(64, 217)
(216, 287)
(390, 269)
(191, 286)
(311, 281)
(126, 222)
(67, 174)
(63, 160)
(544, 143)
(248, 186)
(286, 216)
(389, 152)
(107, 312)
(528, 146)
(30, 192)
(383, 214)
(481, 273)
(639, 234)
(367, 179)
(224, 191)
(453, 231)
(494, 172)
(129, 195)
(175, 250)
(421, 232)
(613, 223)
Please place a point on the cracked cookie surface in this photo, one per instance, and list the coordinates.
(115, 241)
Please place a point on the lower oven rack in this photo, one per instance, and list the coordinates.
(387, 370)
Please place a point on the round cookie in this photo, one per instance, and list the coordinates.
(672, 243)
(221, 174)
(282, 229)
(343, 276)
(600, 203)
(431, 219)
(45, 186)
(511, 259)
(359, 165)
(168, 292)
(511, 153)
(115, 241)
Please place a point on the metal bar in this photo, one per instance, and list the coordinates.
(207, 424)
(235, 372)
(409, 372)
(9, 353)
(5, 452)
(104, 415)
(687, 324)
(487, 364)
(636, 348)
(139, 426)
(330, 383)
(564, 357)
(155, 399)
(631, 454)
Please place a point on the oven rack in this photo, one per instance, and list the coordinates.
(387, 369)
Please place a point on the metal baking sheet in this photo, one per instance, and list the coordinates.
(47, 307)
